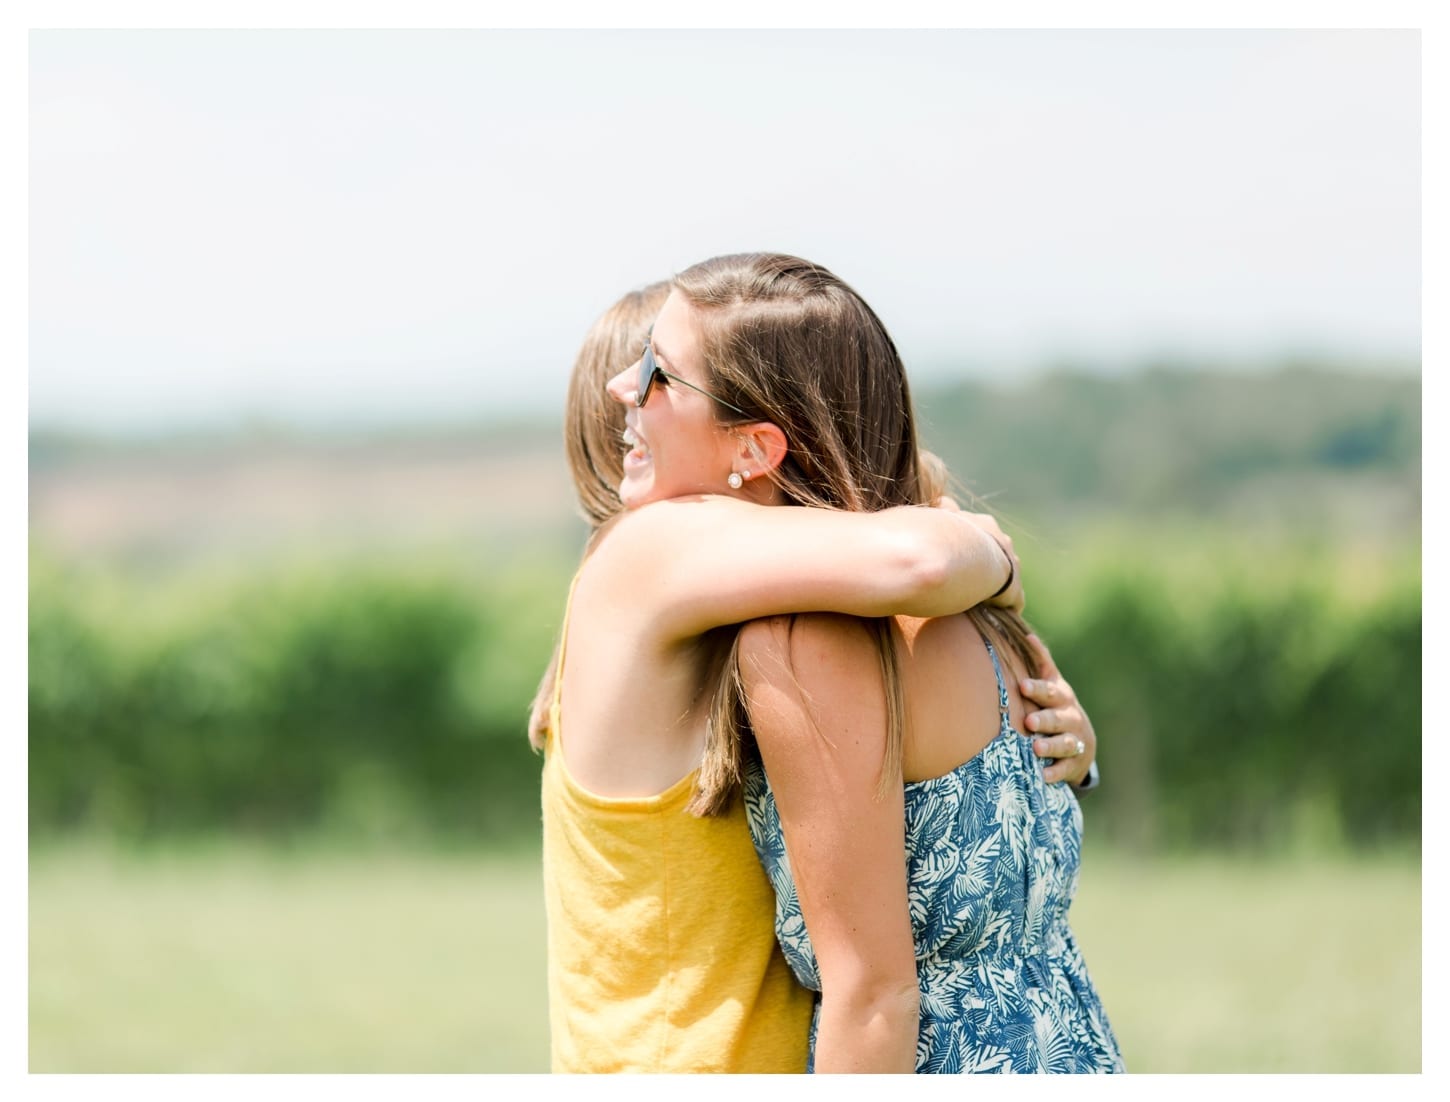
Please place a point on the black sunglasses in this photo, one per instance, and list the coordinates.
(650, 370)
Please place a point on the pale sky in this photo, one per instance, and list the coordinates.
(335, 227)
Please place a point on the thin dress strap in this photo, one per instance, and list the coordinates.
(1003, 701)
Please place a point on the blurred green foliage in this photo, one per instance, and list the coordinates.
(1291, 446)
(1243, 697)
(370, 699)
(1246, 697)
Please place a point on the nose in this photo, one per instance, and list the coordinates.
(622, 387)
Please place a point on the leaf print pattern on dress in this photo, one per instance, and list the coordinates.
(992, 858)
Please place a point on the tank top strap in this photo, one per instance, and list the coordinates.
(1004, 703)
(559, 668)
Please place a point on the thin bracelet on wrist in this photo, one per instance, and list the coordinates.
(1011, 574)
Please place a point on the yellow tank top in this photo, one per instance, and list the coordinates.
(662, 951)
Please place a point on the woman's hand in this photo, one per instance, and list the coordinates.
(1060, 724)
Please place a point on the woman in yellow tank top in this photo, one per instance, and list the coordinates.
(662, 955)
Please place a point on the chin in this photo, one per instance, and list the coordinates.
(632, 495)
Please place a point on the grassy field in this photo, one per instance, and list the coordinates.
(238, 960)
(1217, 965)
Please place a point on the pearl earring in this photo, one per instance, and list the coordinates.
(735, 480)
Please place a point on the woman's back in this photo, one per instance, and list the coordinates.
(991, 854)
(951, 694)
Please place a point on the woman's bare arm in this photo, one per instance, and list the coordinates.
(693, 564)
(818, 708)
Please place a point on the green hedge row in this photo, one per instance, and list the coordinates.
(375, 700)
(388, 701)
(1266, 722)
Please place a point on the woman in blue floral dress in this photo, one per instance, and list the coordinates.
(932, 915)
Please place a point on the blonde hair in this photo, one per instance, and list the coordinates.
(788, 342)
(593, 421)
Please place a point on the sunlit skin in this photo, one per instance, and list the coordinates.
(679, 448)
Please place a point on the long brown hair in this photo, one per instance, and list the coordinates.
(788, 342)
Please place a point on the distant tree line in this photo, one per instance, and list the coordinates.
(1175, 443)
(1299, 443)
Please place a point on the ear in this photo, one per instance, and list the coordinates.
(762, 446)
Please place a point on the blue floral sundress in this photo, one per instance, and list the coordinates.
(992, 854)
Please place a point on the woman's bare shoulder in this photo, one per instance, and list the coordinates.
(819, 649)
(671, 520)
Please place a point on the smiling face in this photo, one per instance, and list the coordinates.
(678, 445)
